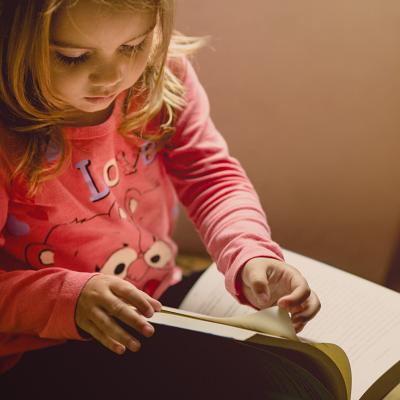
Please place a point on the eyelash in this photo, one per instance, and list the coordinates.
(72, 61)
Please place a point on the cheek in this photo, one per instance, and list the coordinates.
(134, 73)
(137, 67)
(66, 82)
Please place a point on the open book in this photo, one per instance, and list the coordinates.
(352, 346)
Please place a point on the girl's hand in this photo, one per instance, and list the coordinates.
(268, 282)
(105, 298)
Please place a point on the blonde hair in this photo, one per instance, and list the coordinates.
(31, 113)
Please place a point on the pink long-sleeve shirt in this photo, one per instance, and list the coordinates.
(112, 211)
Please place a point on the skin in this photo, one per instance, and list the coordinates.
(267, 282)
(106, 298)
(102, 35)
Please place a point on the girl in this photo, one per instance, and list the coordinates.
(103, 126)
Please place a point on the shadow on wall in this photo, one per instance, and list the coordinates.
(393, 276)
(307, 95)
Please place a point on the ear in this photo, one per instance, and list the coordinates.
(39, 255)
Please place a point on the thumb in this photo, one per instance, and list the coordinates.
(259, 285)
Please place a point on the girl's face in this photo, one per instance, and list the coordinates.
(96, 53)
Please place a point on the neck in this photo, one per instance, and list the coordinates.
(90, 119)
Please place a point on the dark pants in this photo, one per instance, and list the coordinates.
(173, 364)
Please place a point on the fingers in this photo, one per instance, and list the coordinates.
(293, 301)
(303, 304)
(104, 300)
(111, 329)
(300, 293)
(306, 312)
(274, 282)
(111, 335)
(310, 309)
(126, 313)
(298, 327)
(267, 282)
(145, 304)
(105, 340)
(154, 302)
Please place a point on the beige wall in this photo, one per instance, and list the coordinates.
(307, 94)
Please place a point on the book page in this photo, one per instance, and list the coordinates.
(273, 321)
(208, 296)
(361, 317)
(199, 325)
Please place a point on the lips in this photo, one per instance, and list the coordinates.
(100, 97)
(100, 100)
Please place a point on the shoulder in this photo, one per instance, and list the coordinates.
(183, 70)
(178, 66)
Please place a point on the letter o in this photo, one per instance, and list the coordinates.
(106, 173)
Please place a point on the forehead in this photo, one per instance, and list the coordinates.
(94, 25)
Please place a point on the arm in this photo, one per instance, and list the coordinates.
(36, 307)
(228, 215)
(39, 308)
(213, 187)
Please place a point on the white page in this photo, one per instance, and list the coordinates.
(361, 317)
(209, 296)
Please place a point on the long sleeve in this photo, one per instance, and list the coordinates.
(215, 190)
(37, 307)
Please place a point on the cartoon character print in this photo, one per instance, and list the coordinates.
(132, 253)
(146, 197)
(155, 256)
(145, 268)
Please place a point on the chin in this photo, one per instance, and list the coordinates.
(90, 108)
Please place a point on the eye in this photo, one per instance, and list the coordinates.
(133, 49)
(71, 60)
(158, 255)
(119, 262)
(125, 49)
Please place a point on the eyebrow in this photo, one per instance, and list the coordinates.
(60, 43)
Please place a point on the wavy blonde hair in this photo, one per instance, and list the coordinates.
(31, 113)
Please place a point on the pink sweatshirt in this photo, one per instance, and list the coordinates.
(112, 211)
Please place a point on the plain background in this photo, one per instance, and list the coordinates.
(307, 95)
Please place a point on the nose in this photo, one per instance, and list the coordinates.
(106, 75)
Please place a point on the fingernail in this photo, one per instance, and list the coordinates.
(148, 330)
(133, 346)
(120, 349)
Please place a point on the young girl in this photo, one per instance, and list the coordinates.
(103, 126)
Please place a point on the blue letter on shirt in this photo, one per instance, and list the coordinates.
(95, 194)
